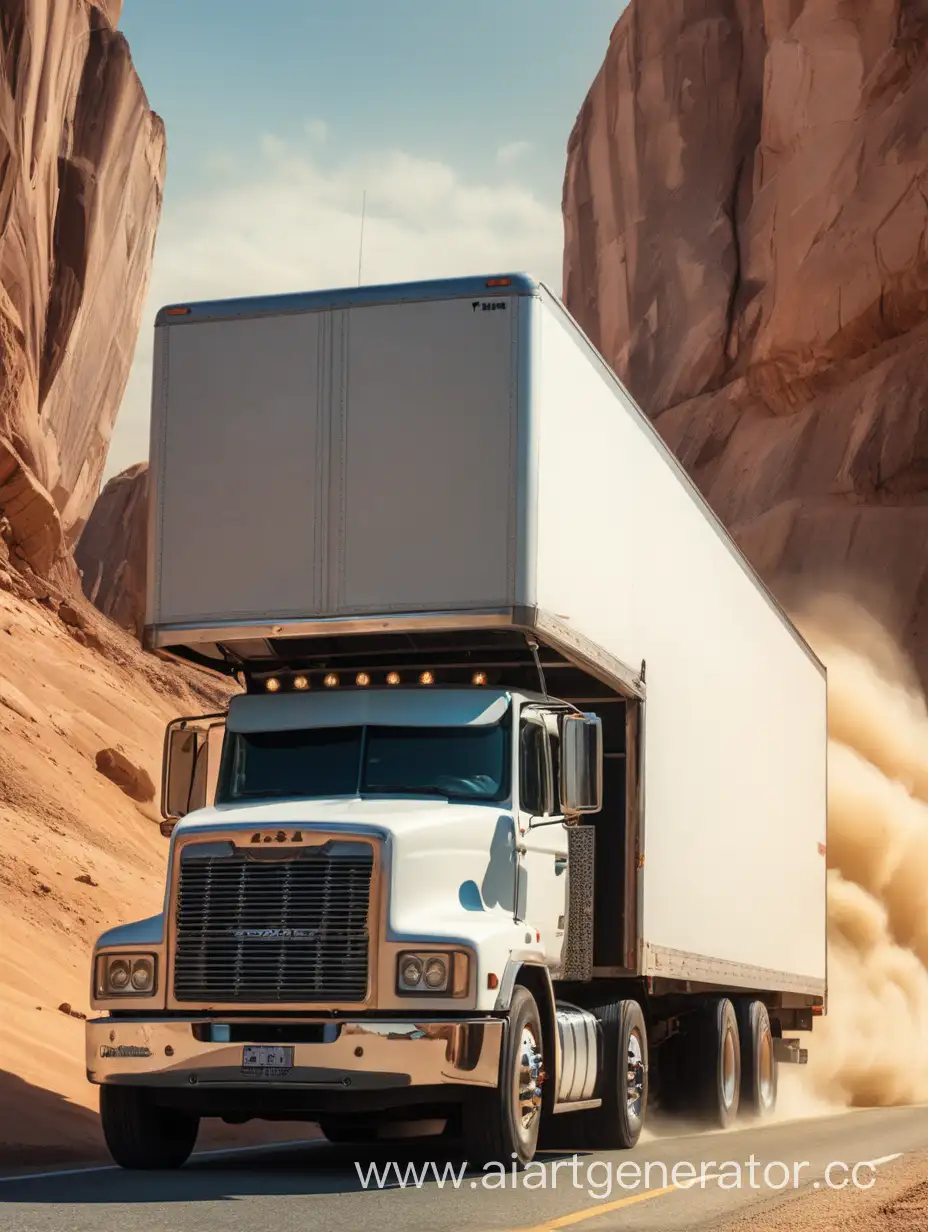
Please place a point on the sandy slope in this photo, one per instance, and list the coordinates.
(60, 819)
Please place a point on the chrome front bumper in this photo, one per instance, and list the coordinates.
(360, 1055)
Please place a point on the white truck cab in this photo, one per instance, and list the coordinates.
(383, 860)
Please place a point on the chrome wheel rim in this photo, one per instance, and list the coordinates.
(729, 1069)
(634, 1075)
(765, 1070)
(529, 1077)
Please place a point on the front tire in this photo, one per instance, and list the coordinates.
(140, 1134)
(759, 1070)
(617, 1124)
(503, 1123)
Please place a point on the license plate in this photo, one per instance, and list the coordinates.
(267, 1060)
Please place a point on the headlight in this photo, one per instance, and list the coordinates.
(410, 971)
(418, 972)
(125, 975)
(436, 974)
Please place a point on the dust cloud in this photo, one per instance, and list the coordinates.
(872, 1047)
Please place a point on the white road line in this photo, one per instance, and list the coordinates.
(226, 1150)
(875, 1163)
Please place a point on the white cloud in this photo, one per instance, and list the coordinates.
(513, 151)
(293, 224)
(316, 130)
(221, 163)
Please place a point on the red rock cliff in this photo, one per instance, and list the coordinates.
(745, 205)
(81, 176)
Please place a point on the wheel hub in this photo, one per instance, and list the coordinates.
(530, 1077)
(729, 1069)
(634, 1078)
(766, 1070)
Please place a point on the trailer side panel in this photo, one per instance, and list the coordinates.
(734, 765)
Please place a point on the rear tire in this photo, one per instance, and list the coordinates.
(616, 1125)
(717, 1057)
(503, 1123)
(140, 1134)
(759, 1069)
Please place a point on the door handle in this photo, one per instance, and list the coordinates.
(560, 863)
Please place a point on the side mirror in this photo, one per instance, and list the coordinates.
(581, 776)
(185, 775)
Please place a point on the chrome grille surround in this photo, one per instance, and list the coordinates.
(255, 923)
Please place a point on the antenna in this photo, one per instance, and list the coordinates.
(361, 244)
(532, 644)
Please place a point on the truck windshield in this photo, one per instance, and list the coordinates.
(459, 763)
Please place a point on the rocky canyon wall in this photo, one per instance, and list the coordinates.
(112, 552)
(746, 224)
(81, 176)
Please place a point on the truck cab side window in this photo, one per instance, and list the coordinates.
(533, 775)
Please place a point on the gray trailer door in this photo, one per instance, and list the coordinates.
(428, 465)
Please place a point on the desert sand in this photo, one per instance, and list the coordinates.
(77, 855)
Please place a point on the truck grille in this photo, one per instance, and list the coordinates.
(255, 929)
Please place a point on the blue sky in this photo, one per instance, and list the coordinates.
(453, 116)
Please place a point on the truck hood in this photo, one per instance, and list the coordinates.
(451, 867)
(394, 815)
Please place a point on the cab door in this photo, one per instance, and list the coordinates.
(541, 901)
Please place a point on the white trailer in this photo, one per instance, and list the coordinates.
(428, 518)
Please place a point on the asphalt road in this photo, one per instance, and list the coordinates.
(315, 1185)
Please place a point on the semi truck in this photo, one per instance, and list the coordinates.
(516, 819)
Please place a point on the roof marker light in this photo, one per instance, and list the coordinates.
(177, 312)
(331, 681)
(479, 678)
(393, 678)
(362, 680)
(301, 683)
(499, 282)
(426, 678)
(272, 684)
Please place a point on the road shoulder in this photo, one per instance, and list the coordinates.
(897, 1202)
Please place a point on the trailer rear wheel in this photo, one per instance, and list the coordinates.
(759, 1069)
(142, 1135)
(718, 1064)
(616, 1125)
(503, 1124)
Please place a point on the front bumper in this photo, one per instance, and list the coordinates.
(363, 1055)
